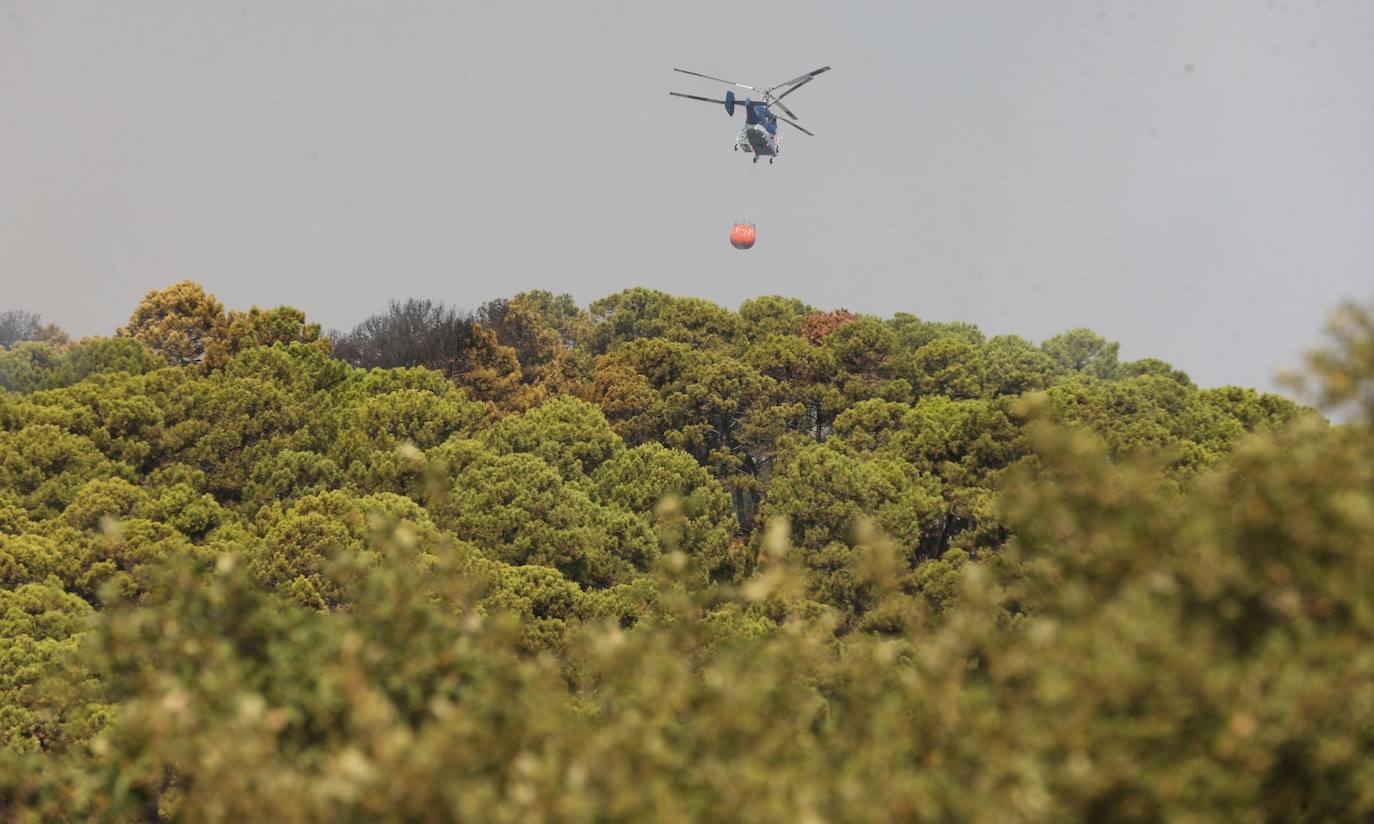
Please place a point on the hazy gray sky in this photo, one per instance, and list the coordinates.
(1193, 179)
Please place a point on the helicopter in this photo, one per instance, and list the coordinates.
(760, 133)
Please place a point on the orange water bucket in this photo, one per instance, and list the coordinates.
(742, 235)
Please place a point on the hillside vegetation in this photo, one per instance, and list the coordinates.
(659, 560)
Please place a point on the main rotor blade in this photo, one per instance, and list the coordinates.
(799, 80)
(785, 110)
(798, 83)
(719, 80)
(795, 126)
(793, 89)
(702, 99)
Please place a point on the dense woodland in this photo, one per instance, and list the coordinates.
(654, 559)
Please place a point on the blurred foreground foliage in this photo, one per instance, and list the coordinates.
(288, 589)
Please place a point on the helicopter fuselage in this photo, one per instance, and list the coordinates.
(758, 140)
(760, 133)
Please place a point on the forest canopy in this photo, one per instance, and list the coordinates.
(659, 559)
